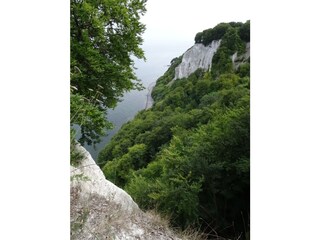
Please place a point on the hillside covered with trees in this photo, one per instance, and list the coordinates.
(189, 155)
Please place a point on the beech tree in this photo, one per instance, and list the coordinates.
(104, 35)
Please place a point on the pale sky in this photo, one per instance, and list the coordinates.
(172, 25)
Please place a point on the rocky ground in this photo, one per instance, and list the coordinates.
(101, 210)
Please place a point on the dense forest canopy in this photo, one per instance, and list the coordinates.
(104, 36)
(189, 155)
(207, 36)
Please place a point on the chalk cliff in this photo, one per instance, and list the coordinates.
(101, 210)
(198, 56)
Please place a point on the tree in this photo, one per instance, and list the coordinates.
(118, 171)
(210, 34)
(244, 31)
(221, 62)
(232, 42)
(198, 37)
(104, 35)
(87, 115)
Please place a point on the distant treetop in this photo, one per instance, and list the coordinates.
(207, 36)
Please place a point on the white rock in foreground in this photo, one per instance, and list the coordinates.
(101, 210)
(198, 56)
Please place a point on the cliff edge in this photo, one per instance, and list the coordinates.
(101, 210)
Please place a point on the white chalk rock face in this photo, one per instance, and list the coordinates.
(101, 210)
(198, 56)
(91, 179)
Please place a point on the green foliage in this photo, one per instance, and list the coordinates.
(168, 189)
(221, 62)
(198, 37)
(232, 42)
(233, 37)
(235, 24)
(104, 35)
(189, 155)
(178, 197)
(244, 31)
(140, 187)
(244, 70)
(76, 156)
(196, 164)
(208, 35)
(120, 169)
(79, 177)
(218, 32)
(90, 117)
(162, 82)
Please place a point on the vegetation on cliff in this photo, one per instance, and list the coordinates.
(189, 155)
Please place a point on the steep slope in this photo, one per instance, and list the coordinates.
(237, 61)
(101, 210)
(189, 154)
(198, 56)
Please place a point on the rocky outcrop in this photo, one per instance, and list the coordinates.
(241, 59)
(101, 210)
(149, 101)
(198, 56)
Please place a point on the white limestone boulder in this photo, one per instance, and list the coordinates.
(101, 210)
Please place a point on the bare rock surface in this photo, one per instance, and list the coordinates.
(198, 56)
(101, 210)
(149, 101)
